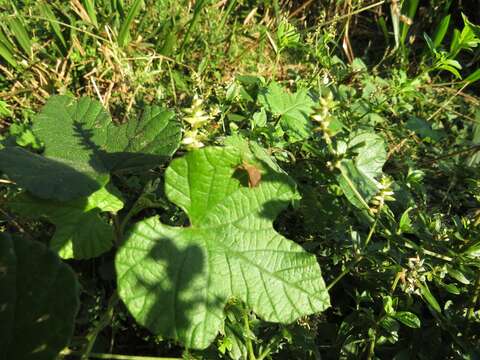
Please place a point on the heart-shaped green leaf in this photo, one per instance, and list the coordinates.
(36, 323)
(177, 280)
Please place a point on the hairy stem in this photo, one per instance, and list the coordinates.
(251, 353)
(102, 324)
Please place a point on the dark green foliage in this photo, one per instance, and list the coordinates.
(39, 300)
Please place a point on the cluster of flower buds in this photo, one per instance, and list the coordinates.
(322, 117)
(413, 275)
(192, 139)
(385, 194)
(196, 117)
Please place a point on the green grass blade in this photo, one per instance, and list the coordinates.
(473, 77)
(18, 30)
(409, 9)
(455, 43)
(383, 26)
(91, 11)
(46, 11)
(7, 55)
(394, 13)
(441, 31)
(4, 109)
(230, 7)
(123, 34)
(196, 12)
(118, 7)
(6, 42)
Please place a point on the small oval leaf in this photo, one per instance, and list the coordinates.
(408, 318)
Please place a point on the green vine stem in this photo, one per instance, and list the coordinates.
(371, 348)
(104, 321)
(344, 272)
(358, 258)
(251, 353)
(476, 295)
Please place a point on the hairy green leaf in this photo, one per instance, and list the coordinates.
(177, 280)
(81, 233)
(145, 142)
(37, 323)
(46, 177)
(88, 131)
(73, 132)
(293, 109)
(82, 145)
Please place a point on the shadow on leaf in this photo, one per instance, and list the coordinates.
(168, 288)
(121, 161)
(45, 177)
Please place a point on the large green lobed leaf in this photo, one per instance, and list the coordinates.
(143, 142)
(46, 177)
(39, 301)
(71, 132)
(177, 280)
(8, 293)
(83, 145)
